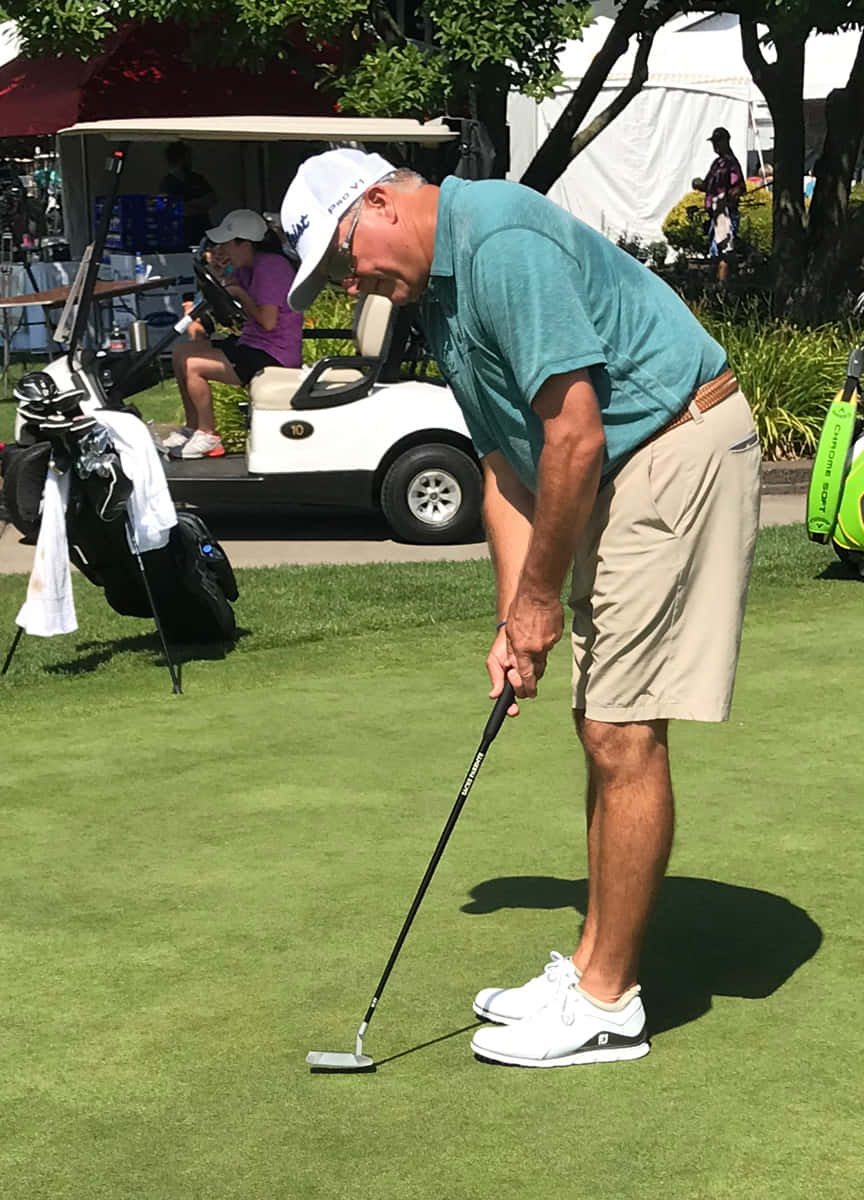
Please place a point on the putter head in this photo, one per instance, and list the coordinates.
(329, 1060)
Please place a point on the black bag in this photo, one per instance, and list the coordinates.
(191, 578)
(24, 470)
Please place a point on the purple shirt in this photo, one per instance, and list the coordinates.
(268, 281)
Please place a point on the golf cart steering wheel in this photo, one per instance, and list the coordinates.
(222, 304)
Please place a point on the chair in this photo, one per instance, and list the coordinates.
(276, 393)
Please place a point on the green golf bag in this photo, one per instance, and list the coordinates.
(835, 499)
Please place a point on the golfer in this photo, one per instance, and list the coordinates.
(614, 442)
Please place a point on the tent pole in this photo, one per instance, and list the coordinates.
(751, 117)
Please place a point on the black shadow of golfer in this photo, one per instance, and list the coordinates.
(705, 939)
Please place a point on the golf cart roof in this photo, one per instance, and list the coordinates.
(270, 129)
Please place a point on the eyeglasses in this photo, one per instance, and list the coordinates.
(341, 263)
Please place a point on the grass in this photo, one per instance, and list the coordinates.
(198, 890)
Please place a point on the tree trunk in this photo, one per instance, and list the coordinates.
(828, 246)
(782, 85)
(489, 105)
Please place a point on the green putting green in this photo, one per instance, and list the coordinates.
(198, 890)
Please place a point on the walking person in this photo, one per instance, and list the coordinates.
(615, 443)
(724, 185)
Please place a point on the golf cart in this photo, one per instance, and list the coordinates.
(356, 432)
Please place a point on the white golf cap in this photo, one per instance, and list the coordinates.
(241, 223)
(321, 191)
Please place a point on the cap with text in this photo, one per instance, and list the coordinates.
(322, 190)
(241, 223)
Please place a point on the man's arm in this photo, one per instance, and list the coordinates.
(508, 509)
(568, 478)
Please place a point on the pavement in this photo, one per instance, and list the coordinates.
(269, 539)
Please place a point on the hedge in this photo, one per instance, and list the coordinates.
(684, 227)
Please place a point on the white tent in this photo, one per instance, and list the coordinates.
(630, 176)
(10, 42)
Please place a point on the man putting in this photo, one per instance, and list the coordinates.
(614, 441)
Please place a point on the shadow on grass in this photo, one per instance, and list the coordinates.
(379, 1062)
(705, 939)
(840, 570)
(94, 654)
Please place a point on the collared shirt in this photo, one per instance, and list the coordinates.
(520, 290)
(724, 174)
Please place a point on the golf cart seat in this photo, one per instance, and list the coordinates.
(331, 381)
(279, 393)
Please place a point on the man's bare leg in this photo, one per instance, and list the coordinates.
(630, 824)
(582, 953)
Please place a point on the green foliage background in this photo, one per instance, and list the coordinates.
(365, 58)
(683, 227)
(789, 373)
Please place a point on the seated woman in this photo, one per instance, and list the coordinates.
(249, 259)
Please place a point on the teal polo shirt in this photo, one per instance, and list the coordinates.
(520, 290)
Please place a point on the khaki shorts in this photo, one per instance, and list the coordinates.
(660, 576)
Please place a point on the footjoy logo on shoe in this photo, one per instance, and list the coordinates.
(602, 1039)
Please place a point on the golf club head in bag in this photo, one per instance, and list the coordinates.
(98, 467)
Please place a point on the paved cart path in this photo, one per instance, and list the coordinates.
(257, 540)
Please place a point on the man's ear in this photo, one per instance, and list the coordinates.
(382, 200)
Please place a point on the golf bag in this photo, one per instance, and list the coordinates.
(835, 499)
(190, 579)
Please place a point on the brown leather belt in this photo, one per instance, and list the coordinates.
(707, 396)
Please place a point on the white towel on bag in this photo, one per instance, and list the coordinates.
(151, 509)
(50, 607)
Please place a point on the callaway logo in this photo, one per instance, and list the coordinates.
(296, 231)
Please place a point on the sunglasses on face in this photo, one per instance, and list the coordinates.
(341, 263)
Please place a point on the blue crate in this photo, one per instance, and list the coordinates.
(140, 223)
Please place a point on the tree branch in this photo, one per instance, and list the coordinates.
(764, 73)
(637, 80)
(557, 151)
(385, 24)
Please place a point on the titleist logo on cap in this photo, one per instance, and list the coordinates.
(295, 232)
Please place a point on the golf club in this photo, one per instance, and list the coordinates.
(328, 1060)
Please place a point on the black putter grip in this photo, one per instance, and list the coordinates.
(499, 712)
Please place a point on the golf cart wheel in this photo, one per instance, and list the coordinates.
(432, 495)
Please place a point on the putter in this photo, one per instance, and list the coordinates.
(330, 1060)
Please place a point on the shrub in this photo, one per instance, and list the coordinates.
(332, 309)
(685, 223)
(684, 227)
(228, 416)
(789, 374)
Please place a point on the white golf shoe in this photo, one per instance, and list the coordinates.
(573, 1028)
(506, 1005)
